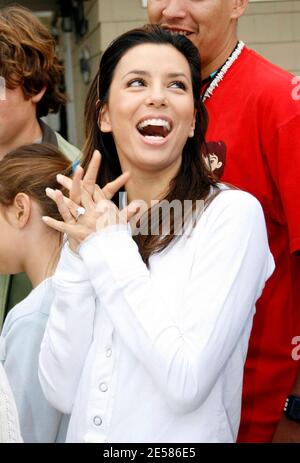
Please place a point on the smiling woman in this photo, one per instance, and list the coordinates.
(147, 334)
(150, 110)
(126, 97)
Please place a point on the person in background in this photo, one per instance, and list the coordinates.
(32, 74)
(253, 139)
(27, 245)
(148, 331)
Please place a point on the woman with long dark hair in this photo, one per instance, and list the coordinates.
(160, 356)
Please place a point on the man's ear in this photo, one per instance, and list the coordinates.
(20, 210)
(239, 7)
(37, 98)
(104, 120)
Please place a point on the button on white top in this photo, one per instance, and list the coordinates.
(97, 420)
(108, 352)
(103, 387)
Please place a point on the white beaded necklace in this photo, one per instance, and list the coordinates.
(220, 75)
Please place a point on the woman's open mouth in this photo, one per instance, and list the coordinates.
(155, 130)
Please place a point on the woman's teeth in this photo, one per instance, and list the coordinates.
(154, 129)
(156, 123)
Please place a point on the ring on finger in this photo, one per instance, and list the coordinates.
(80, 211)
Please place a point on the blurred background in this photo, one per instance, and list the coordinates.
(83, 28)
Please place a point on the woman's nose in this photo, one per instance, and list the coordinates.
(157, 98)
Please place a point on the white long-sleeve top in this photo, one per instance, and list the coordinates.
(157, 355)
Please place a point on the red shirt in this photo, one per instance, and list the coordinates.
(254, 123)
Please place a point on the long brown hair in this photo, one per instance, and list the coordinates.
(193, 181)
(28, 58)
(30, 169)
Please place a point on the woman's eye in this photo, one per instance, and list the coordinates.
(178, 84)
(136, 83)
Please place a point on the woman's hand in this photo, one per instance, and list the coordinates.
(100, 211)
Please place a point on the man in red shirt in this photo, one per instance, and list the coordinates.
(254, 143)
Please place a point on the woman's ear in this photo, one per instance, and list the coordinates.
(21, 209)
(193, 125)
(104, 120)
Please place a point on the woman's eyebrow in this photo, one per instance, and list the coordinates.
(174, 75)
(146, 73)
(136, 72)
